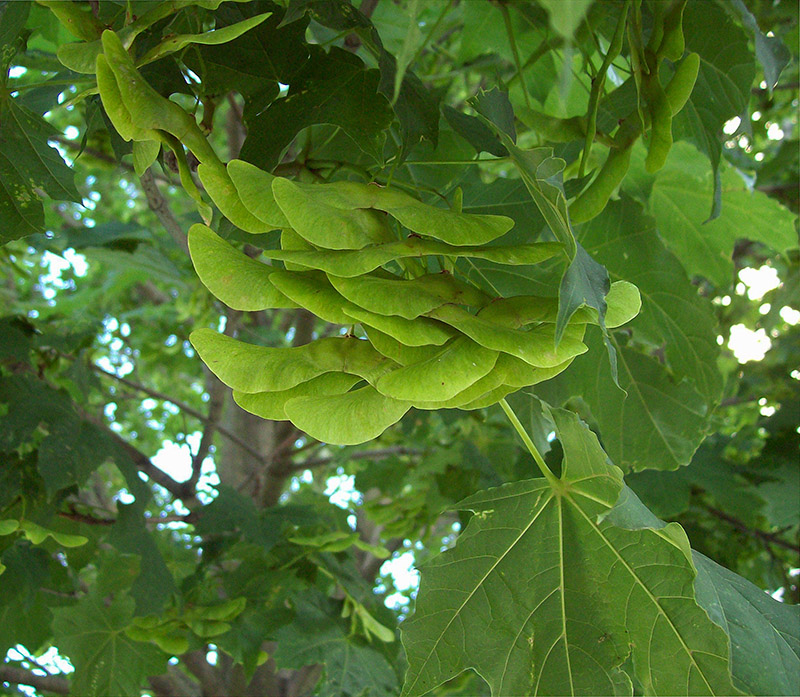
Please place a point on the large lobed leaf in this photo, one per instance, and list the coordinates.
(92, 634)
(544, 594)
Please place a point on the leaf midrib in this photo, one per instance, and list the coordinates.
(480, 583)
(642, 585)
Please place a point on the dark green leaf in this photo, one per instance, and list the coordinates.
(723, 85)
(771, 52)
(332, 88)
(129, 535)
(474, 131)
(352, 666)
(92, 634)
(673, 315)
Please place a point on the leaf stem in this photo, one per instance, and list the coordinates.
(614, 49)
(526, 439)
(513, 42)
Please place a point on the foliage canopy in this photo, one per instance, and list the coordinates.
(300, 295)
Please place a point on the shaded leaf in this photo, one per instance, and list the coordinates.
(332, 88)
(658, 425)
(352, 667)
(223, 35)
(254, 63)
(107, 662)
(764, 634)
(673, 315)
(28, 163)
(679, 202)
(771, 52)
(723, 84)
(474, 131)
(154, 584)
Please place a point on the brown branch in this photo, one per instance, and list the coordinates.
(234, 127)
(361, 455)
(197, 665)
(216, 391)
(103, 156)
(216, 402)
(771, 538)
(45, 683)
(230, 435)
(352, 42)
(174, 683)
(156, 475)
(152, 520)
(158, 204)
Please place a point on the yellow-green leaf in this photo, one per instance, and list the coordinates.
(348, 419)
(240, 282)
(271, 405)
(249, 368)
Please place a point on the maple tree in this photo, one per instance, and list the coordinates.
(299, 293)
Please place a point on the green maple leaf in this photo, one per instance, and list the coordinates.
(28, 163)
(107, 662)
(352, 666)
(544, 594)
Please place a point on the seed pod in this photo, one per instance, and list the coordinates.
(592, 201)
(672, 43)
(661, 129)
(680, 87)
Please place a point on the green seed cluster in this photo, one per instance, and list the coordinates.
(372, 259)
(379, 262)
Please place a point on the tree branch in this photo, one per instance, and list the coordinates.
(216, 392)
(230, 435)
(216, 402)
(361, 455)
(102, 156)
(152, 520)
(45, 683)
(158, 204)
(174, 683)
(352, 42)
(769, 537)
(179, 490)
(197, 665)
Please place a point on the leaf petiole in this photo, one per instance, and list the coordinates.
(554, 481)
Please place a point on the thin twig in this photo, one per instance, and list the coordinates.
(216, 392)
(771, 538)
(103, 156)
(156, 475)
(158, 204)
(152, 520)
(360, 455)
(44, 683)
(230, 435)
